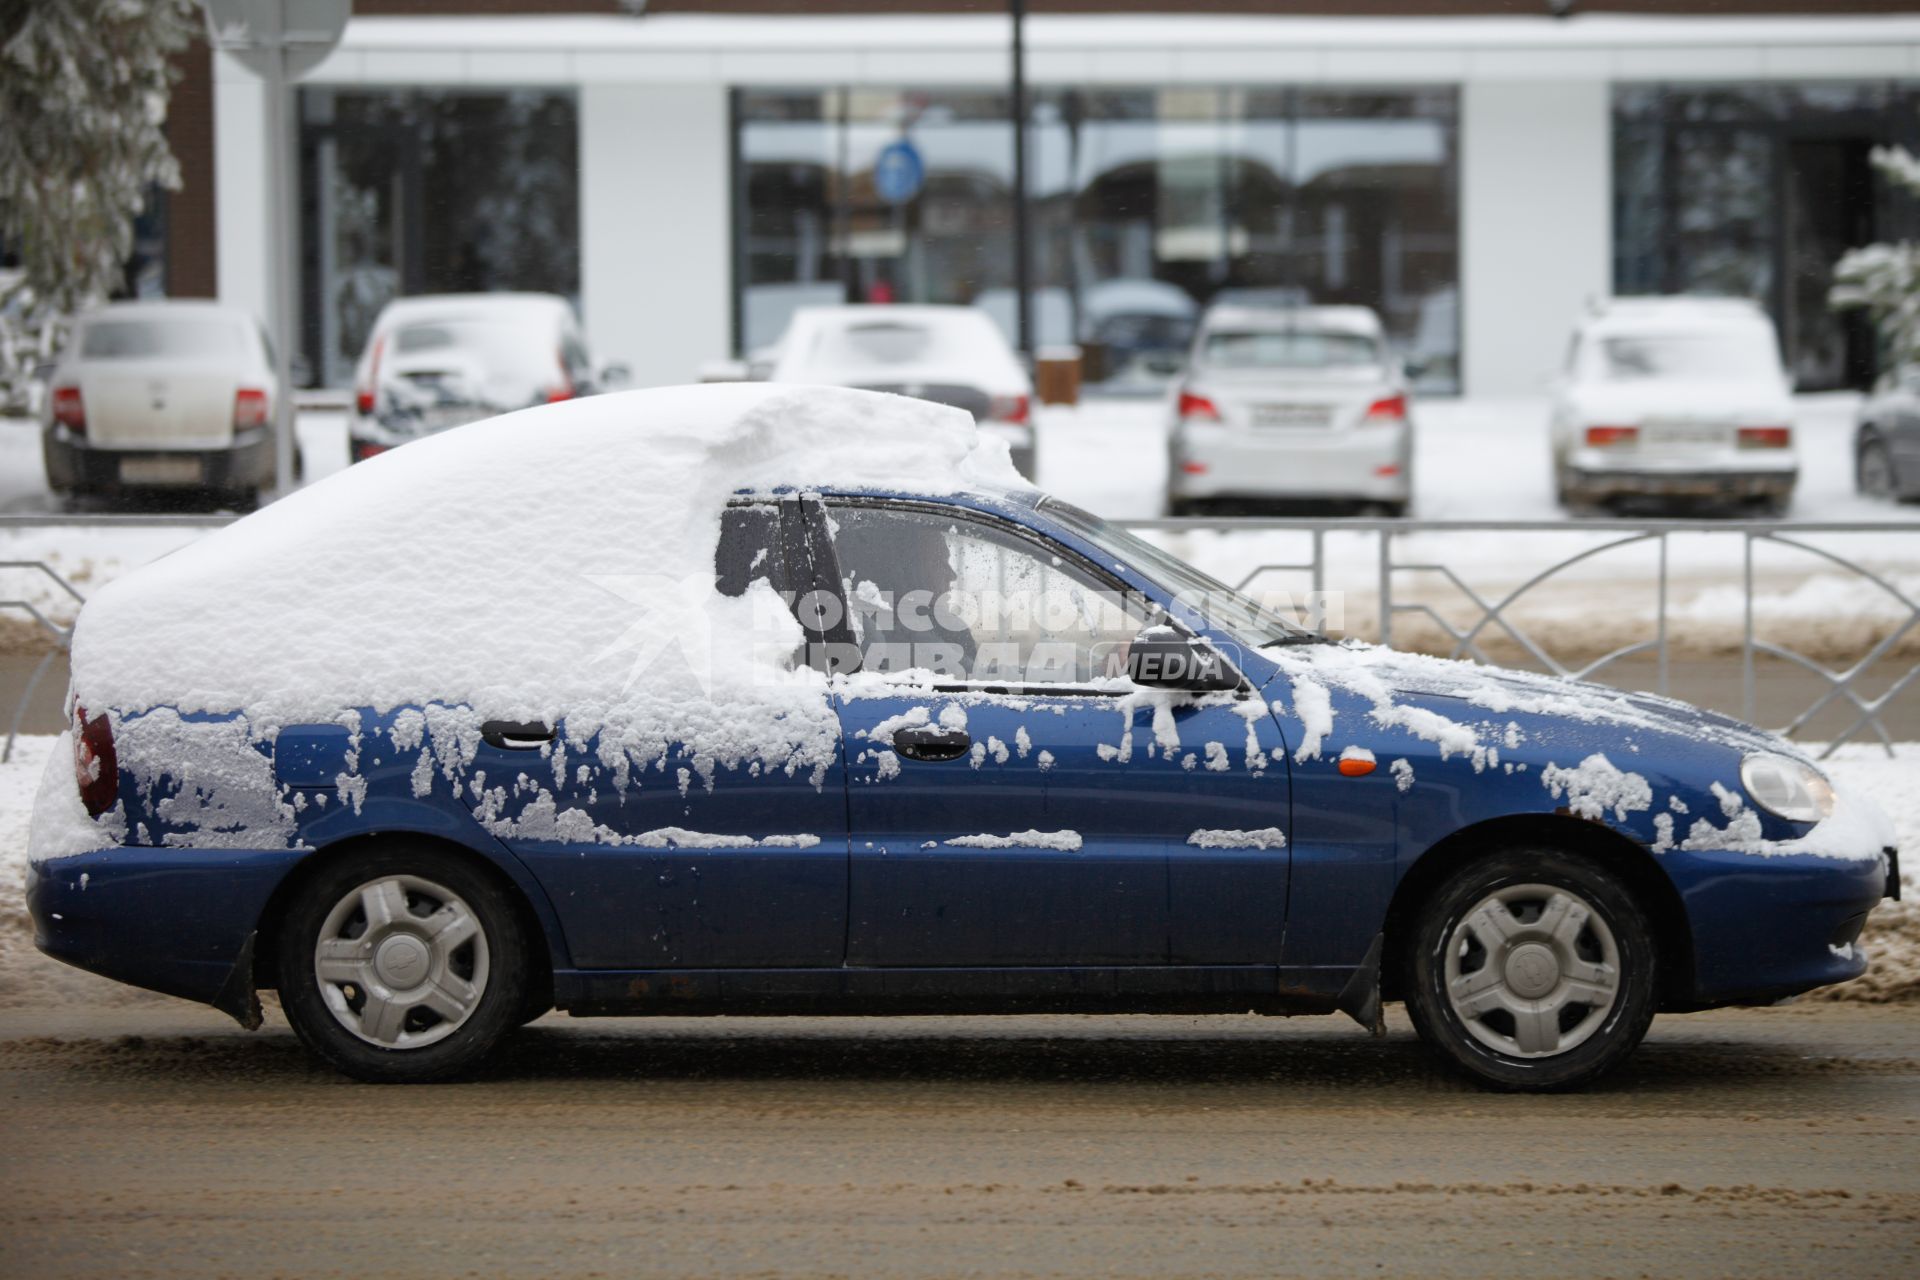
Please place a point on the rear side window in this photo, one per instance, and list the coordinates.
(160, 339)
(749, 549)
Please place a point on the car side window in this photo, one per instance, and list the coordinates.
(749, 548)
(974, 601)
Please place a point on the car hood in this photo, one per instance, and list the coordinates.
(1480, 699)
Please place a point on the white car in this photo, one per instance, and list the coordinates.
(1674, 398)
(950, 355)
(1305, 404)
(169, 395)
(441, 360)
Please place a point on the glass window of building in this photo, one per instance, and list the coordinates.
(1145, 206)
(420, 191)
(1756, 191)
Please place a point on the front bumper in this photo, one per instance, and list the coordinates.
(76, 466)
(176, 921)
(1372, 464)
(1769, 927)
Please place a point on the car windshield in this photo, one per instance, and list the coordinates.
(1289, 349)
(147, 339)
(1729, 357)
(1230, 610)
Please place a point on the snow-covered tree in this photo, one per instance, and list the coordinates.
(83, 108)
(1885, 278)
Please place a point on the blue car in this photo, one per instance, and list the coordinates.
(1021, 761)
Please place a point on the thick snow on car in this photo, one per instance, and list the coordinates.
(1291, 404)
(758, 699)
(947, 355)
(1886, 438)
(1674, 398)
(441, 360)
(161, 396)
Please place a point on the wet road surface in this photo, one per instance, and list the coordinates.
(155, 1140)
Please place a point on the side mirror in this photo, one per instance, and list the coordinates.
(1163, 658)
(1416, 367)
(615, 375)
(725, 371)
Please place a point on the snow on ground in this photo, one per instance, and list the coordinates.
(1892, 940)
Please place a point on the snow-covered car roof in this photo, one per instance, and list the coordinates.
(1674, 315)
(532, 307)
(166, 309)
(558, 561)
(1356, 320)
(888, 344)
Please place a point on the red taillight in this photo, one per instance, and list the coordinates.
(1609, 437)
(68, 409)
(1194, 468)
(1388, 409)
(1766, 437)
(563, 389)
(249, 408)
(364, 398)
(1009, 409)
(364, 449)
(96, 767)
(1193, 406)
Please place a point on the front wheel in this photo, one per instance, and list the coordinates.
(401, 965)
(1532, 971)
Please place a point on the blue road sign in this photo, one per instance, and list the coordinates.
(898, 172)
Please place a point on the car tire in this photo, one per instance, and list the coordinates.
(1554, 939)
(1873, 473)
(404, 963)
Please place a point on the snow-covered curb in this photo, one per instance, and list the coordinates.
(1892, 938)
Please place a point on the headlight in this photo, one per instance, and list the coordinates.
(1786, 787)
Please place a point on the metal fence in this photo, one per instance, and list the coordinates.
(1487, 612)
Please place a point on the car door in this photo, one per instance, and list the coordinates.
(682, 863)
(1008, 804)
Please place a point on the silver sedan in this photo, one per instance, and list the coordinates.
(1299, 405)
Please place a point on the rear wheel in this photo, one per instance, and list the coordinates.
(1873, 470)
(403, 964)
(1532, 971)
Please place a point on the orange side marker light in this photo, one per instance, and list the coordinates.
(1355, 766)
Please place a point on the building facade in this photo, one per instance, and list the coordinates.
(690, 174)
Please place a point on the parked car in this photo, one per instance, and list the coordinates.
(442, 360)
(1674, 398)
(828, 713)
(947, 355)
(1886, 439)
(1290, 405)
(161, 396)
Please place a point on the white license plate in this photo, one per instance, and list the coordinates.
(1292, 415)
(1686, 434)
(443, 419)
(160, 470)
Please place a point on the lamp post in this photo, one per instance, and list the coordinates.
(1022, 271)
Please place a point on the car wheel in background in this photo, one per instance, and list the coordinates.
(1873, 470)
(1531, 970)
(403, 964)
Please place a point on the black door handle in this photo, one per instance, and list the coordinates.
(931, 742)
(513, 736)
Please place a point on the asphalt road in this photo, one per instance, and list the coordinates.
(155, 1141)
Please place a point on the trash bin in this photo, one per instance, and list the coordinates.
(1056, 375)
